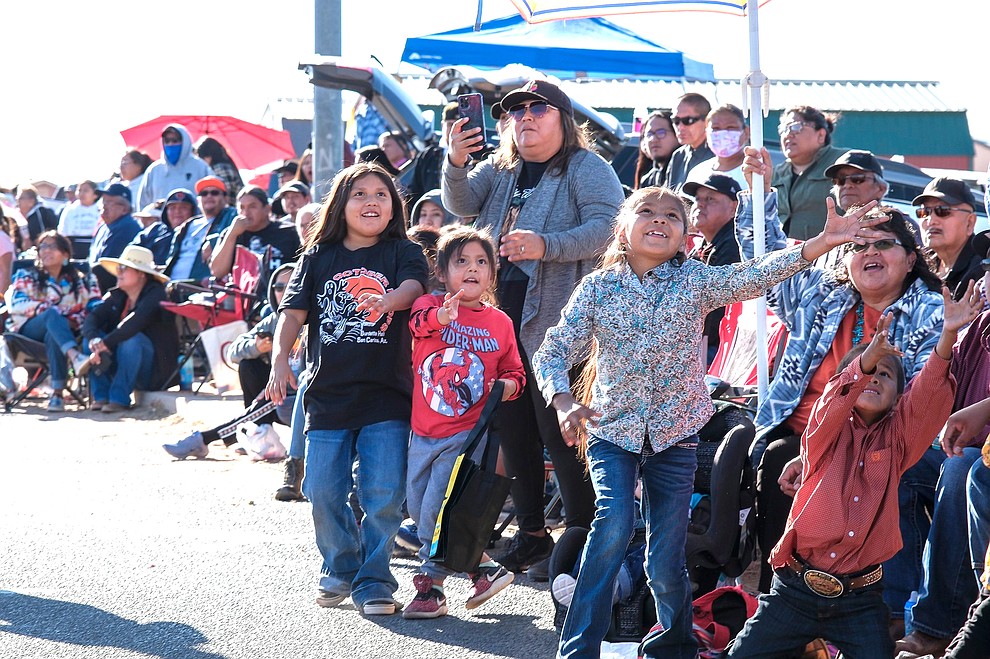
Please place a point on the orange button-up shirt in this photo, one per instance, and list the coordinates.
(845, 514)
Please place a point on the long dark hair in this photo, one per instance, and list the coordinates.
(331, 226)
(452, 243)
(140, 158)
(898, 224)
(300, 175)
(207, 147)
(69, 271)
(576, 138)
(644, 163)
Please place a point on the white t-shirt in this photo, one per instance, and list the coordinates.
(707, 168)
(78, 221)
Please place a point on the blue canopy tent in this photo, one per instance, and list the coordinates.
(570, 49)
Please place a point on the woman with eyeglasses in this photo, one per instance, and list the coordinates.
(48, 302)
(656, 144)
(806, 140)
(550, 201)
(827, 313)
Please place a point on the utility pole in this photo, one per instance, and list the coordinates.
(328, 123)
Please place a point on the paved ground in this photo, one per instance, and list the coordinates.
(110, 549)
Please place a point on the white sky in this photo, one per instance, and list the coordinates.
(79, 71)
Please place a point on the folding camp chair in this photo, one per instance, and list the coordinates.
(32, 356)
(217, 304)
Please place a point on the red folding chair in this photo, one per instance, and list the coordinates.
(217, 304)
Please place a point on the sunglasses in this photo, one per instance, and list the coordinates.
(941, 211)
(687, 121)
(536, 108)
(855, 179)
(659, 133)
(48, 246)
(881, 245)
(210, 193)
(793, 127)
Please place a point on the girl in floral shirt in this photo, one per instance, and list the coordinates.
(641, 314)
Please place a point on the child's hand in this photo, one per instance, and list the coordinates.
(449, 309)
(880, 347)
(573, 417)
(509, 389)
(374, 302)
(279, 381)
(960, 314)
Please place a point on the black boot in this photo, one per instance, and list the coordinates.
(291, 489)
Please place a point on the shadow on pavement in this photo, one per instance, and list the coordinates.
(85, 625)
(481, 632)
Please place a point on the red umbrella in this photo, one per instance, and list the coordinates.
(250, 145)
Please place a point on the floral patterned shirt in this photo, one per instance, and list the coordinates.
(27, 297)
(650, 374)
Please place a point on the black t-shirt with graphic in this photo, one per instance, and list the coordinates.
(281, 236)
(362, 362)
(512, 281)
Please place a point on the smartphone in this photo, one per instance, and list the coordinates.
(470, 106)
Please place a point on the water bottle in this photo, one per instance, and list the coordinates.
(909, 611)
(186, 374)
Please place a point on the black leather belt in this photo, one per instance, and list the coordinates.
(833, 585)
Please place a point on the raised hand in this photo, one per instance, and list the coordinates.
(757, 161)
(880, 346)
(462, 143)
(853, 227)
(960, 314)
(450, 307)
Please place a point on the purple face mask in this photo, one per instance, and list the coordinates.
(725, 143)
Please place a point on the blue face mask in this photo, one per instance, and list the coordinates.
(172, 153)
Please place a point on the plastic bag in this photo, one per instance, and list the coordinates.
(7, 384)
(261, 442)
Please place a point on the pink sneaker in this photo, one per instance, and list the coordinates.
(430, 602)
(488, 582)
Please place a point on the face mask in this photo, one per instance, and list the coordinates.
(172, 153)
(725, 143)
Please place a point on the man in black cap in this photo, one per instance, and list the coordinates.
(712, 215)
(946, 209)
(289, 199)
(117, 231)
(857, 179)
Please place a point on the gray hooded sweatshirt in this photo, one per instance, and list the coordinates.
(161, 177)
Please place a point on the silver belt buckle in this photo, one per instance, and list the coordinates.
(823, 583)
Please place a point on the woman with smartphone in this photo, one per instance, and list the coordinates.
(550, 201)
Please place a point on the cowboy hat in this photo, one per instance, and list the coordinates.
(136, 257)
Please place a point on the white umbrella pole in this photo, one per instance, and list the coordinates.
(756, 81)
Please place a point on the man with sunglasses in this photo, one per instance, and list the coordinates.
(946, 210)
(857, 179)
(187, 257)
(689, 126)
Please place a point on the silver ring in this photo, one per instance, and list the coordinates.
(522, 249)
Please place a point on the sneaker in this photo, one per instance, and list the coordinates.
(408, 536)
(80, 364)
(193, 445)
(291, 489)
(112, 407)
(97, 405)
(540, 571)
(56, 403)
(430, 602)
(524, 551)
(488, 582)
(379, 607)
(329, 599)
(562, 589)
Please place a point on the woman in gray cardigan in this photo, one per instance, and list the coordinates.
(549, 202)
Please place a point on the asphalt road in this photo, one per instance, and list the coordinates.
(111, 549)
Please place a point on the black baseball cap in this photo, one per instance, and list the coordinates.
(718, 182)
(538, 90)
(950, 190)
(863, 160)
(117, 190)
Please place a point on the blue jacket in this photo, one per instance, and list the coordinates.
(157, 238)
(812, 304)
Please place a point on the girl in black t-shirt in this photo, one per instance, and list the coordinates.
(354, 286)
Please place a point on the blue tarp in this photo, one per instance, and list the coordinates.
(577, 48)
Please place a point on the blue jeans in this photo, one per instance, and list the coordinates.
(668, 480)
(978, 505)
(133, 362)
(52, 328)
(944, 577)
(791, 615)
(297, 445)
(356, 560)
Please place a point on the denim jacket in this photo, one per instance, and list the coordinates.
(812, 305)
(650, 373)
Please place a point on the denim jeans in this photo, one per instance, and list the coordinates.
(133, 363)
(297, 445)
(791, 615)
(356, 559)
(944, 577)
(978, 507)
(52, 328)
(668, 480)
